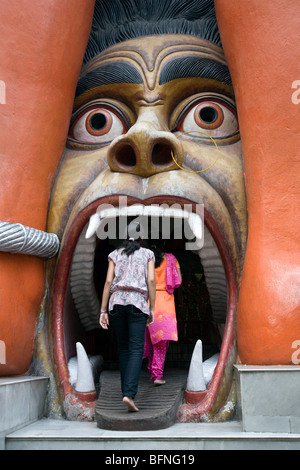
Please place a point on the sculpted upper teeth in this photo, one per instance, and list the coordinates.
(93, 226)
(194, 220)
(196, 225)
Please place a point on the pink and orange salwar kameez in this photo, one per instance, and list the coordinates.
(164, 327)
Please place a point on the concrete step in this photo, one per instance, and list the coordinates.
(23, 427)
(268, 398)
(49, 434)
(22, 401)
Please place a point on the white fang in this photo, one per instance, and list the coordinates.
(85, 381)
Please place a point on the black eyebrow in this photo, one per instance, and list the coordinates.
(107, 74)
(195, 67)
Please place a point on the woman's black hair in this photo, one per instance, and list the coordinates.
(132, 243)
(130, 246)
(157, 246)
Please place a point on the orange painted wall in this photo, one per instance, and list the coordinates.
(42, 47)
(261, 42)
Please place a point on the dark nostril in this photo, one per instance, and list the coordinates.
(125, 157)
(161, 155)
(145, 156)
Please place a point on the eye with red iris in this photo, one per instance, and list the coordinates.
(97, 125)
(212, 117)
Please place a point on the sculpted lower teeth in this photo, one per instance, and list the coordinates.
(195, 381)
(82, 370)
(200, 373)
(85, 380)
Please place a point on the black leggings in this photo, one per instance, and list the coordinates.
(129, 324)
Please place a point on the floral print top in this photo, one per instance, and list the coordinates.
(130, 284)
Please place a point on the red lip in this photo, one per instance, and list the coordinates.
(85, 403)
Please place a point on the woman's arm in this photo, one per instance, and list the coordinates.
(151, 290)
(104, 323)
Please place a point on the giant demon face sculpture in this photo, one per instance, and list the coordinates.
(150, 116)
(154, 102)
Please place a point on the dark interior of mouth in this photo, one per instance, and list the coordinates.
(201, 301)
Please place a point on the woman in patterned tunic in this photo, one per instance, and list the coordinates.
(130, 282)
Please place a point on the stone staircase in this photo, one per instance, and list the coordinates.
(24, 427)
(187, 438)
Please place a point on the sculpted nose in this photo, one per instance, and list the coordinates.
(145, 150)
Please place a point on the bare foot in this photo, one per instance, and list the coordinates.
(130, 404)
(159, 382)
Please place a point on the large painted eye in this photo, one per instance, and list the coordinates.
(212, 117)
(97, 125)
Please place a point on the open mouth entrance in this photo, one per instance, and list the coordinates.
(205, 306)
(195, 316)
